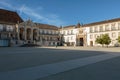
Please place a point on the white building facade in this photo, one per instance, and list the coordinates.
(69, 35)
(85, 35)
(48, 35)
(36, 33)
(13, 31)
(110, 27)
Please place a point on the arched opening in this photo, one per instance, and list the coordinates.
(28, 34)
(81, 42)
(21, 34)
(35, 34)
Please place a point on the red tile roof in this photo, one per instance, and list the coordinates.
(7, 16)
(102, 22)
(69, 27)
(46, 26)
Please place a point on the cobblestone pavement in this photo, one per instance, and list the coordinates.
(61, 63)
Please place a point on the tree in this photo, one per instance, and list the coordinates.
(118, 39)
(99, 40)
(103, 39)
(106, 39)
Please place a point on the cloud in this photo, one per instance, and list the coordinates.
(35, 14)
(48, 18)
(30, 12)
(6, 5)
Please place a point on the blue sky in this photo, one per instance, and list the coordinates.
(64, 12)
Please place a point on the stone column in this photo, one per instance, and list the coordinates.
(37, 34)
(18, 37)
(41, 37)
(17, 31)
(85, 36)
(25, 33)
(32, 34)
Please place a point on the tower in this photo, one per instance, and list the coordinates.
(78, 25)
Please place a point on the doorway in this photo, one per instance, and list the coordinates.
(91, 43)
(81, 42)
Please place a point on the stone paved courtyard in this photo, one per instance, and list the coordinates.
(79, 63)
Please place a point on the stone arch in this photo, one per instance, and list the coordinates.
(35, 34)
(28, 33)
(21, 34)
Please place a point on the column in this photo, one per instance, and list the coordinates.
(18, 32)
(25, 34)
(31, 35)
(41, 38)
(37, 34)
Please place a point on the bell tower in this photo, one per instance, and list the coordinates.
(78, 25)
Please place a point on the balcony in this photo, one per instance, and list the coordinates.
(5, 30)
(48, 34)
(69, 34)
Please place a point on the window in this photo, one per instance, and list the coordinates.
(91, 36)
(9, 28)
(1, 27)
(43, 31)
(49, 32)
(118, 33)
(106, 27)
(114, 35)
(96, 29)
(48, 38)
(67, 39)
(4, 36)
(119, 26)
(101, 28)
(113, 27)
(71, 31)
(53, 32)
(56, 32)
(68, 32)
(40, 31)
(91, 29)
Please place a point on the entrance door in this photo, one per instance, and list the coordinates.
(91, 43)
(81, 42)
